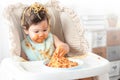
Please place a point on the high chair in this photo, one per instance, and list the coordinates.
(66, 25)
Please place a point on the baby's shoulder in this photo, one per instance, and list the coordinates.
(25, 41)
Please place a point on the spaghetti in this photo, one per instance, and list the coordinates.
(61, 62)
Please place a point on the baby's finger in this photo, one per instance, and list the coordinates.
(61, 54)
(59, 50)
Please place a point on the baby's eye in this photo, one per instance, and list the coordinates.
(45, 30)
(36, 31)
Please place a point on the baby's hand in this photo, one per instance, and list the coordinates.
(62, 50)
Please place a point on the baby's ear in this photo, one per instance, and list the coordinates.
(26, 31)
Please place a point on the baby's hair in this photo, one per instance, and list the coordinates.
(33, 15)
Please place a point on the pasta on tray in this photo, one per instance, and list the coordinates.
(61, 62)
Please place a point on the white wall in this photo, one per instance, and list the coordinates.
(82, 7)
(94, 6)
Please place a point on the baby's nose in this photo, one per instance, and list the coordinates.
(41, 34)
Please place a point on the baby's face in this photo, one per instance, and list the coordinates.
(38, 33)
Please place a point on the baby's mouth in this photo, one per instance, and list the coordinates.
(40, 39)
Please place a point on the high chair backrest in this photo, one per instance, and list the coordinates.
(64, 23)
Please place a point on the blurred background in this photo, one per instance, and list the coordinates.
(101, 20)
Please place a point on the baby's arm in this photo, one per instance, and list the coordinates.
(20, 58)
(23, 56)
(61, 47)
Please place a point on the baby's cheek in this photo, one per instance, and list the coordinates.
(34, 38)
(46, 36)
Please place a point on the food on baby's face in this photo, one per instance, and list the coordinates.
(38, 39)
(61, 62)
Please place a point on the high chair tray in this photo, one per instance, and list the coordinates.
(40, 66)
(90, 64)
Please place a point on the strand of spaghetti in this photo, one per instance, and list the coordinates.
(60, 62)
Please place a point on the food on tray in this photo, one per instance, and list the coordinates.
(61, 62)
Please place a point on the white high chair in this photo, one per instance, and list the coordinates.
(65, 24)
